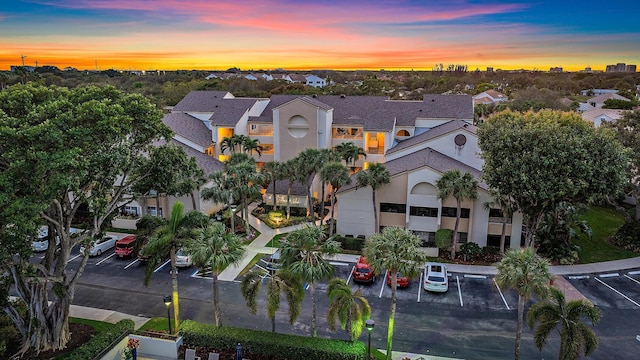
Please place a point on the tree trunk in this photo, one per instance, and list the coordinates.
(392, 315)
(273, 324)
(532, 226)
(521, 301)
(216, 298)
(455, 231)
(503, 234)
(637, 217)
(289, 200)
(312, 213)
(274, 194)
(321, 214)
(193, 201)
(375, 212)
(333, 203)
(314, 326)
(174, 291)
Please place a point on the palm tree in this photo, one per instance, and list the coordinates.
(505, 204)
(289, 172)
(337, 175)
(528, 274)
(246, 184)
(350, 153)
(278, 282)
(575, 336)
(461, 187)
(303, 255)
(212, 246)
(352, 309)
(326, 156)
(228, 143)
(272, 172)
(394, 250)
(375, 176)
(166, 240)
(307, 163)
(249, 145)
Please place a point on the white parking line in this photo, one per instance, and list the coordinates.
(475, 276)
(633, 272)
(618, 292)
(420, 284)
(609, 275)
(501, 295)
(161, 266)
(338, 263)
(73, 258)
(382, 283)
(131, 263)
(350, 273)
(105, 259)
(459, 291)
(632, 279)
(578, 277)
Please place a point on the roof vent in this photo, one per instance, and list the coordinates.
(420, 110)
(433, 100)
(216, 105)
(314, 95)
(343, 96)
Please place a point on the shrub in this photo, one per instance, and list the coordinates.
(101, 341)
(470, 250)
(628, 236)
(444, 238)
(268, 344)
(350, 243)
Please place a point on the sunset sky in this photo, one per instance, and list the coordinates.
(319, 34)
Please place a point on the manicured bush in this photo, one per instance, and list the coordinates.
(444, 238)
(628, 236)
(101, 341)
(350, 243)
(268, 344)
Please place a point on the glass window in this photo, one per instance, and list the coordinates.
(393, 208)
(423, 211)
(451, 212)
(494, 241)
(428, 238)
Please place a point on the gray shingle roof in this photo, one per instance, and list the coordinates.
(426, 157)
(448, 106)
(200, 101)
(225, 111)
(434, 133)
(207, 163)
(188, 127)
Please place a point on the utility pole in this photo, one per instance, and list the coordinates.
(22, 57)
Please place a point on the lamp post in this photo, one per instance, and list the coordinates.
(233, 215)
(370, 325)
(167, 303)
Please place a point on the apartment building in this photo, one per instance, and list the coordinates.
(416, 140)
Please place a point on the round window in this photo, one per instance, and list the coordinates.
(298, 127)
(460, 140)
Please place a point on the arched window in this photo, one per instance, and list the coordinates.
(403, 132)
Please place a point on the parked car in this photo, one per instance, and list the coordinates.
(273, 262)
(182, 259)
(362, 272)
(42, 243)
(402, 280)
(104, 244)
(125, 246)
(436, 277)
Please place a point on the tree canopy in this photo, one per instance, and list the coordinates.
(542, 159)
(62, 150)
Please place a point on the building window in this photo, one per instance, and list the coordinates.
(428, 238)
(151, 210)
(451, 212)
(403, 133)
(494, 241)
(496, 216)
(462, 237)
(130, 211)
(423, 211)
(393, 208)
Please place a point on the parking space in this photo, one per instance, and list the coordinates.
(619, 290)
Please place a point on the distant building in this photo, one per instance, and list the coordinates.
(596, 92)
(557, 69)
(621, 67)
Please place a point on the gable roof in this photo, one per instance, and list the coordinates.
(602, 98)
(426, 157)
(201, 101)
(434, 133)
(207, 163)
(189, 127)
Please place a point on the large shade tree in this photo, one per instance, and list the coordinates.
(627, 130)
(213, 247)
(541, 159)
(394, 250)
(304, 254)
(62, 150)
(528, 274)
(461, 187)
(556, 313)
(374, 177)
(278, 283)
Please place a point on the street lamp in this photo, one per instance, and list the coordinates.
(370, 325)
(233, 215)
(167, 302)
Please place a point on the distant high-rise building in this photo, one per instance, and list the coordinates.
(621, 67)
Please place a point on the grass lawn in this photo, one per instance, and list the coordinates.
(274, 242)
(99, 326)
(604, 222)
(158, 324)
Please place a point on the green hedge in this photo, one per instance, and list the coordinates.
(101, 341)
(350, 243)
(263, 343)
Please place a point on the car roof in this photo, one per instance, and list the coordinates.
(127, 239)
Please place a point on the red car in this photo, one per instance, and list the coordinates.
(402, 280)
(363, 272)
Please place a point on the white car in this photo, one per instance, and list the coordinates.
(99, 247)
(42, 243)
(436, 277)
(182, 259)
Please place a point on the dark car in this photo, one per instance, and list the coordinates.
(362, 272)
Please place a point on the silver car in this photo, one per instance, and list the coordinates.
(183, 259)
(99, 247)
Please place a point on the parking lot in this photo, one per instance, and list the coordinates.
(618, 290)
